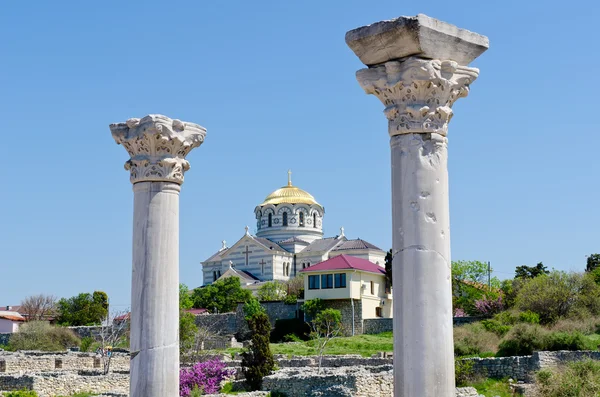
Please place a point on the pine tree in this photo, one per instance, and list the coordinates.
(257, 361)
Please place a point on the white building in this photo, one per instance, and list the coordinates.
(10, 321)
(289, 238)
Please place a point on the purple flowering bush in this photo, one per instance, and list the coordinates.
(206, 376)
(488, 306)
(458, 312)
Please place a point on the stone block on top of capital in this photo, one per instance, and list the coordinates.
(417, 68)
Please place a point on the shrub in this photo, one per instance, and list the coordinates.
(472, 339)
(86, 342)
(39, 335)
(566, 341)
(291, 326)
(559, 295)
(205, 376)
(496, 327)
(252, 308)
(21, 393)
(464, 373)
(522, 340)
(529, 317)
(257, 361)
(586, 326)
(290, 300)
(489, 305)
(458, 312)
(580, 378)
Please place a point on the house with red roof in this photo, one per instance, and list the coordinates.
(10, 321)
(355, 286)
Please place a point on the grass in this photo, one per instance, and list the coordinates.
(365, 345)
(493, 387)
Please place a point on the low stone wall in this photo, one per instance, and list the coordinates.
(377, 325)
(93, 331)
(523, 367)
(36, 361)
(64, 383)
(346, 381)
(225, 323)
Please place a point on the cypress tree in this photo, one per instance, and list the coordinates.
(257, 361)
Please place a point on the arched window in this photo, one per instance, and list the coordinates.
(301, 219)
(285, 219)
(270, 220)
(214, 275)
(303, 265)
(315, 220)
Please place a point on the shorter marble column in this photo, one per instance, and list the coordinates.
(415, 67)
(157, 146)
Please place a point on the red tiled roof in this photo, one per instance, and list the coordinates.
(11, 317)
(196, 312)
(346, 262)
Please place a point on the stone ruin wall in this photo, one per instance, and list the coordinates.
(51, 384)
(35, 362)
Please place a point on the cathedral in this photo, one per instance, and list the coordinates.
(289, 238)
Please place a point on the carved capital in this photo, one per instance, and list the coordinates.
(418, 93)
(157, 146)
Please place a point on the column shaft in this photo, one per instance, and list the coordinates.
(423, 348)
(155, 290)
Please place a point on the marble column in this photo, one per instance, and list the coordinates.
(417, 68)
(158, 146)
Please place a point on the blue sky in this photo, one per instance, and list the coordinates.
(273, 82)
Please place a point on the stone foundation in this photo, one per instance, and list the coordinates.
(36, 361)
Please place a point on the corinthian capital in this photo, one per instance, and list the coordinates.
(157, 146)
(418, 94)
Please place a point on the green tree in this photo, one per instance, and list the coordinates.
(313, 306)
(272, 291)
(475, 271)
(470, 283)
(325, 326)
(185, 299)
(222, 296)
(593, 261)
(187, 331)
(524, 271)
(389, 257)
(558, 295)
(257, 361)
(252, 308)
(83, 309)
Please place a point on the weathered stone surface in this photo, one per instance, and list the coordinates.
(415, 36)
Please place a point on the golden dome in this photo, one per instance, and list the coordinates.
(289, 195)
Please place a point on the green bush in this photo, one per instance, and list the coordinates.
(257, 361)
(529, 317)
(86, 342)
(474, 339)
(39, 335)
(290, 326)
(522, 340)
(577, 379)
(21, 393)
(566, 341)
(559, 295)
(496, 327)
(464, 373)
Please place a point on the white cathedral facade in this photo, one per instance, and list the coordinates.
(289, 238)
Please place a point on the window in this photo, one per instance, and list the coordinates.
(326, 281)
(315, 220)
(285, 219)
(214, 276)
(372, 288)
(313, 282)
(301, 219)
(303, 265)
(270, 220)
(379, 312)
(340, 280)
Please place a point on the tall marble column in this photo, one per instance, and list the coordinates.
(157, 146)
(417, 68)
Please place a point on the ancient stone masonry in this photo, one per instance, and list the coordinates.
(350, 325)
(65, 383)
(377, 325)
(417, 67)
(34, 361)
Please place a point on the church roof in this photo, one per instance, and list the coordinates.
(289, 195)
(324, 244)
(357, 244)
(216, 256)
(269, 244)
(345, 262)
(293, 239)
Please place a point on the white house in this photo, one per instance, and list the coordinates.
(10, 321)
(356, 284)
